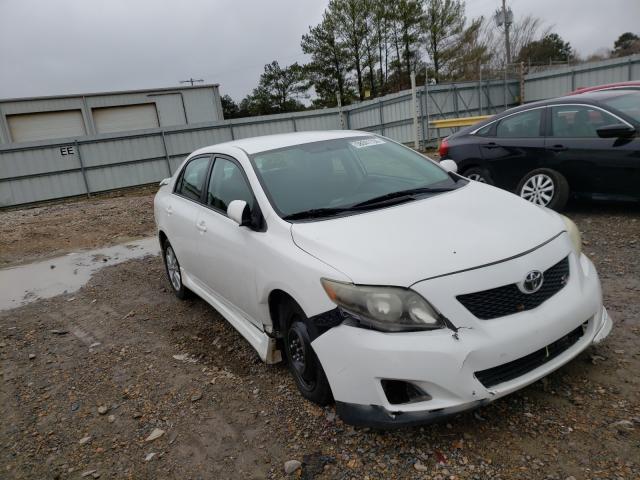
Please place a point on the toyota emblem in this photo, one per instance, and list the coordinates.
(532, 282)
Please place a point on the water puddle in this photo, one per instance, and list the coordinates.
(27, 283)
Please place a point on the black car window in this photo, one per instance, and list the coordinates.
(486, 130)
(227, 183)
(578, 121)
(628, 103)
(192, 179)
(521, 125)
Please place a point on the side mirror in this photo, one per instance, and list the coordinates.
(165, 181)
(239, 212)
(449, 165)
(615, 130)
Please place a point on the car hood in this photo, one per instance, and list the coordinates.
(403, 244)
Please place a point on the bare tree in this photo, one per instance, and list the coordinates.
(472, 50)
(523, 31)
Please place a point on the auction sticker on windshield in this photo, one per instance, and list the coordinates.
(367, 142)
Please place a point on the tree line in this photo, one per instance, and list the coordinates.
(368, 48)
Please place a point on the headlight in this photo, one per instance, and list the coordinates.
(574, 234)
(390, 309)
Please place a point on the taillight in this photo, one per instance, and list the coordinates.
(444, 148)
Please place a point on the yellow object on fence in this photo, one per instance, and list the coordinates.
(457, 122)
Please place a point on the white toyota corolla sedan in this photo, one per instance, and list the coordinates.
(399, 289)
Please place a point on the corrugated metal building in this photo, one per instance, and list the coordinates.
(82, 144)
(76, 116)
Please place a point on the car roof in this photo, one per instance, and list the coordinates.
(634, 84)
(252, 145)
(597, 95)
(588, 97)
(591, 96)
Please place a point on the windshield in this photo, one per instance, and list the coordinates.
(330, 176)
(628, 103)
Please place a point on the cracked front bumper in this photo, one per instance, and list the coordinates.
(445, 365)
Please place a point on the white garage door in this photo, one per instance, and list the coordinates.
(122, 119)
(42, 126)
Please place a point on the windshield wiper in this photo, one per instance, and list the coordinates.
(316, 213)
(402, 193)
(393, 197)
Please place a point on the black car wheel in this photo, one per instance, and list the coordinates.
(172, 267)
(478, 174)
(302, 360)
(545, 187)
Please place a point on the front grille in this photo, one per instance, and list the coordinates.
(508, 299)
(516, 368)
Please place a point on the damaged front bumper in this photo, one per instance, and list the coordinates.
(460, 370)
(376, 416)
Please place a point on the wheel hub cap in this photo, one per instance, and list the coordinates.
(538, 189)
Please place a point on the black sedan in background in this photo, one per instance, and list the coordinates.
(585, 145)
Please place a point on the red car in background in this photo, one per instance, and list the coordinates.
(632, 85)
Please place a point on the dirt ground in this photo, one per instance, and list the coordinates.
(49, 230)
(126, 344)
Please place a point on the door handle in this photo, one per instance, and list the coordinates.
(558, 148)
(169, 210)
(202, 226)
(491, 145)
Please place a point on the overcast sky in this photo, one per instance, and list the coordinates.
(50, 47)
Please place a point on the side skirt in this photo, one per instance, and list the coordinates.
(259, 340)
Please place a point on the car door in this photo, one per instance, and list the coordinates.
(226, 265)
(592, 165)
(181, 209)
(514, 146)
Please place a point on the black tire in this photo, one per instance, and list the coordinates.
(545, 187)
(478, 174)
(174, 276)
(302, 361)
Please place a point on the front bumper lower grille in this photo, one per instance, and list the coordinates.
(508, 299)
(516, 368)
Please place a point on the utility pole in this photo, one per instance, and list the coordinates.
(192, 81)
(416, 140)
(507, 24)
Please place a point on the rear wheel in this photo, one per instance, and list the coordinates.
(302, 360)
(478, 174)
(172, 267)
(545, 187)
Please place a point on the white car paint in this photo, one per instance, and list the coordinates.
(471, 239)
(389, 253)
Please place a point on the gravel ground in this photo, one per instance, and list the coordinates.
(88, 376)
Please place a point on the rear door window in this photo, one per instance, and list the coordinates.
(521, 125)
(486, 130)
(192, 178)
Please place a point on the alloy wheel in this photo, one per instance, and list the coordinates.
(477, 177)
(173, 269)
(538, 189)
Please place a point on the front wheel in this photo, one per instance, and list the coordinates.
(545, 187)
(302, 360)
